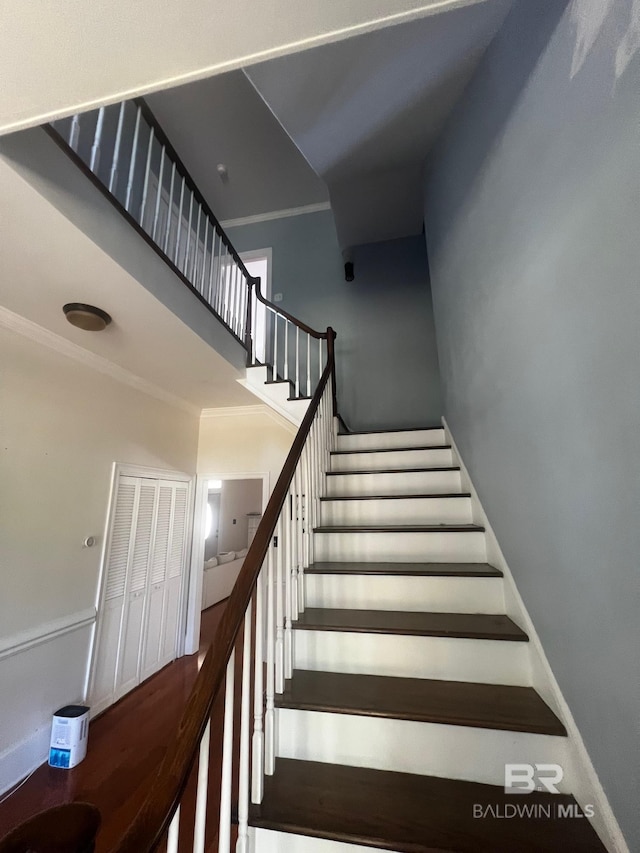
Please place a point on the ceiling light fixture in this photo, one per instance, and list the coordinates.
(86, 317)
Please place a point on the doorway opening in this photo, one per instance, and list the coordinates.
(227, 513)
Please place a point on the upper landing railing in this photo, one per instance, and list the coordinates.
(127, 155)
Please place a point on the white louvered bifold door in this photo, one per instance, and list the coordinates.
(117, 567)
(175, 572)
(154, 621)
(131, 641)
(143, 591)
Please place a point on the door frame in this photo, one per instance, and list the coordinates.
(256, 254)
(196, 573)
(125, 469)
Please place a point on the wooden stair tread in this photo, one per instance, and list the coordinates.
(394, 471)
(478, 626)
(455, 703)
(401, 528)
(385, 431)
(391, 449)
(408, 497)
(411, 813)
(451, 570)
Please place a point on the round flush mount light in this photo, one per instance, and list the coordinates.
(86, 317)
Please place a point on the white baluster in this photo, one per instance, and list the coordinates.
(145, 182)
(254, 325)
(308, 365)
(306, 546)
(113, 174)
(200, 824)
(214, 266)
(275, 346)
(173, 835)
(194, 265)
(297, 361)
(132, 161)
(288, 551)
(243, 784)
(167, 230)
(269, 718)
(320, 367)
(297, 519)
(224, 831)
(204, 254)
(286, 348)
(94, 159)
(74, 132)
(279, 650)
(257, 746)
(156, 212)
(225, 285)
(179, 228)
(238, 303)
(188, 246)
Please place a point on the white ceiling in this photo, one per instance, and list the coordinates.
(224, 120)
(69, 56)
(46, 261)
(366, 111)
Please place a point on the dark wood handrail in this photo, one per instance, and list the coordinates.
(153, 819)
(290, 317)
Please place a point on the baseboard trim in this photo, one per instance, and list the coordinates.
(21, 759)
(588, 787)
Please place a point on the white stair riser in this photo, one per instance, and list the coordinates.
(275, 395)
(381, 547)
(271, 841)
(413, 593)
(405, 483)
(447, 658)
(280, 391)
(397, 511)
(391, 459)
(386, 440)
(431, 749)
(257, 375)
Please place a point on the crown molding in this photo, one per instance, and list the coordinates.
(45, 337)
(276, 214)
(242, 411)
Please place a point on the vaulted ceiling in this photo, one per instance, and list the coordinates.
(351, 121)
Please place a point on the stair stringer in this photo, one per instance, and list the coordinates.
(274, 395)
(585, 783)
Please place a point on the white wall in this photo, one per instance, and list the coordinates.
(62, 427)
(238, 498)
(251, 442)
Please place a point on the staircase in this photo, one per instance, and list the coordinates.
(280, 394)
(410, 688)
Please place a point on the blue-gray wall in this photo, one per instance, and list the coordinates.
(533, 228)
(386, 353)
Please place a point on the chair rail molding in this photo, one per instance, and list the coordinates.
(22, 641)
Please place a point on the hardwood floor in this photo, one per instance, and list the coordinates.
(126, 744)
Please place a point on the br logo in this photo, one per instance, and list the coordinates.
(526, 778)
